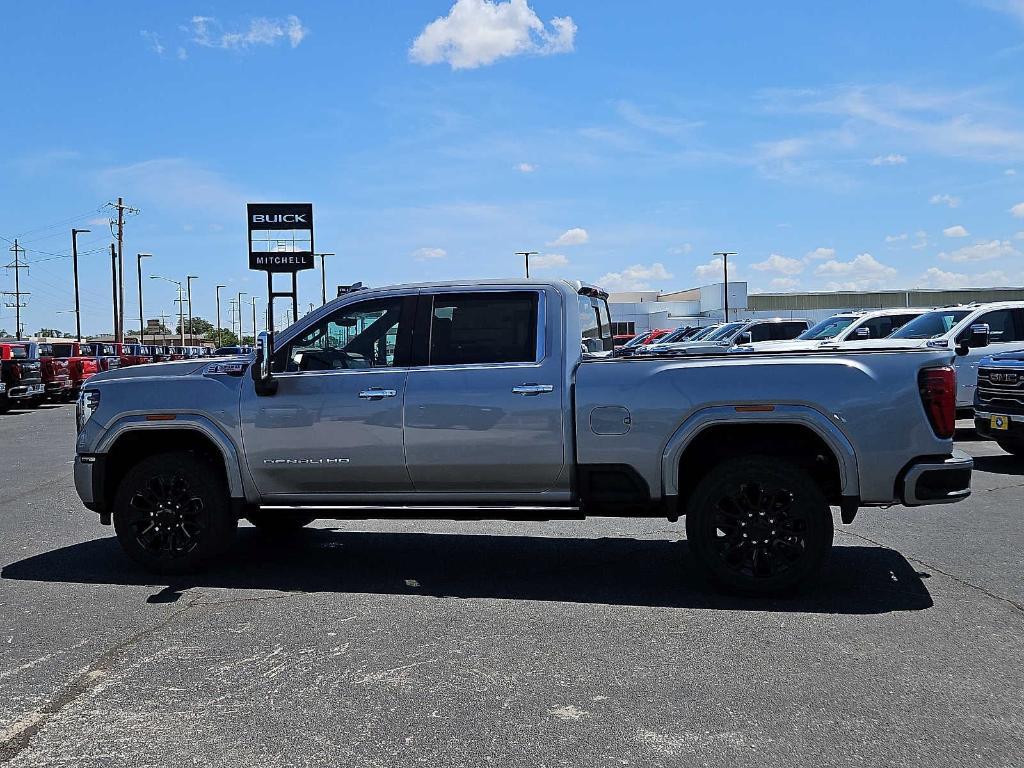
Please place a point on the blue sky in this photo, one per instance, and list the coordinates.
(869, 144)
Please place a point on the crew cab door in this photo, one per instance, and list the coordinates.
(334, 425)
(485, 401)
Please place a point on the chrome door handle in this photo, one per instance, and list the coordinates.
(532, 389)
(374, 393)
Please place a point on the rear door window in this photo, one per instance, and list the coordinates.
(478, 328)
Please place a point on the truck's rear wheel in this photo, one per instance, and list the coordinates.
(279, 523)
(758, 525)
(172, 513)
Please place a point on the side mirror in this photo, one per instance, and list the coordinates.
(744, 338)
(977, 337)
(862, 333)
(262, 375)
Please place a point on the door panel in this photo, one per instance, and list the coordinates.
(487, 426)
(318, 435)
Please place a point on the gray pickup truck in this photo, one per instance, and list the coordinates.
(495, 400)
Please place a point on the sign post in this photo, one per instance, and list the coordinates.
(280, 240)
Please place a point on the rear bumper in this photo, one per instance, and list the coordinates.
(57, 385)
(938, 480)
(22, 391)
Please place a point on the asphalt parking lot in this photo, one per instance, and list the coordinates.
(543, 644)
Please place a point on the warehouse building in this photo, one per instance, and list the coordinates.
(636, 311)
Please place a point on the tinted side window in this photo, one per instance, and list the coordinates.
(898, 321)
(494, 327)
(1001, 325)
(362, 335)
(879, 327)
(761, 332)
(786, 331)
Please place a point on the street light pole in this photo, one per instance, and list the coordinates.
(74, 258)
(142, 323)
(526, 255)
(240, 295)
(188, 282)
(725, 270)
(254, 317)
(181, 305)
(220, 338)
(323, 278)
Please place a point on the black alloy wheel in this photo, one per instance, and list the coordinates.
(759, 525)
(172, 513)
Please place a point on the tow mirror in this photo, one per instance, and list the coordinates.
(262, 375)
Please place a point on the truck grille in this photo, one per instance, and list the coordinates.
(1001, 389)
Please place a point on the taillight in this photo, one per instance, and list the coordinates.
(938, 396)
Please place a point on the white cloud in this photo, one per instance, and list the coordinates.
(862, 272)
(896, 238)
(548, 261)
(934, 277)
(984, 251)
(891, 159)
(526, 167)
(922, 240)
(713, 270)
(479, 32)
(1019, 235)
(178, 184)
(948, 200)
(782, 264)
(635, 278)
(574, 236)
(680, 250)
(821, 253)
(1010, 172)
(154, 42)
(182, 54)
(208, 32)
(955, 231)
(1017, 211)
(784, 283)
(426, 254)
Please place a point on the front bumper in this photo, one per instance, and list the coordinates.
(86, 476)
(938, 480)
(1014, 430)
(26, 390)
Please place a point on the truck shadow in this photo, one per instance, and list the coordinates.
(615, 571)
(1000, 464)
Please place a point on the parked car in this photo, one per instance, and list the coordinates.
(848, 327)
(108, 357)
(230, 351)
(83, 362)
(21, 376)
(678, 334)
(733, 334)
(999, 400)
(973, 331)
(162, 354)
(477, 400)
(53, 371)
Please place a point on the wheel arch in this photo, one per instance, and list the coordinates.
(715, 433)
(131, 440)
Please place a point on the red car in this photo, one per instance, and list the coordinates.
(55, 372)
(82, 361)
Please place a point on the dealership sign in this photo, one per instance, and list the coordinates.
(280, 236)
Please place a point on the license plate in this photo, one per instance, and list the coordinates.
(36, 388)
(999, 422)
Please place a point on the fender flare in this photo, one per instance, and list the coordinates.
(802, 415)
(188, 421)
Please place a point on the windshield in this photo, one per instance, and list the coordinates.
(677, 335)
(931, 325)
(637, 340)
(703, 333)
(726, 330)
(827, 329)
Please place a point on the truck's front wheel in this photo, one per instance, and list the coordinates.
(172, 513)
(758, 525)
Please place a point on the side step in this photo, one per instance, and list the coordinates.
(430, 512)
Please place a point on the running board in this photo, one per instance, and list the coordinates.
(430, 512)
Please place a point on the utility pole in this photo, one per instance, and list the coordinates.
(254, 318)
(74, 260)
(17, 293)
(113, 284)
(526, 255)
(188, 282)
(725, 270)
(121, 209)
(181, 314)
(163, 327)
(220, 339)
(142, 323)
(239, 305)
(323, 278)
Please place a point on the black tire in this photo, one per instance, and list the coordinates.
(5, 404)
(758, 526)
(1016, 447)
(279, 523)
(172, 513)
(35, 402)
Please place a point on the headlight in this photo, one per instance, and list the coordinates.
(88, 402)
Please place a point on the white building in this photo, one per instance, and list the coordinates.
(636, 311)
